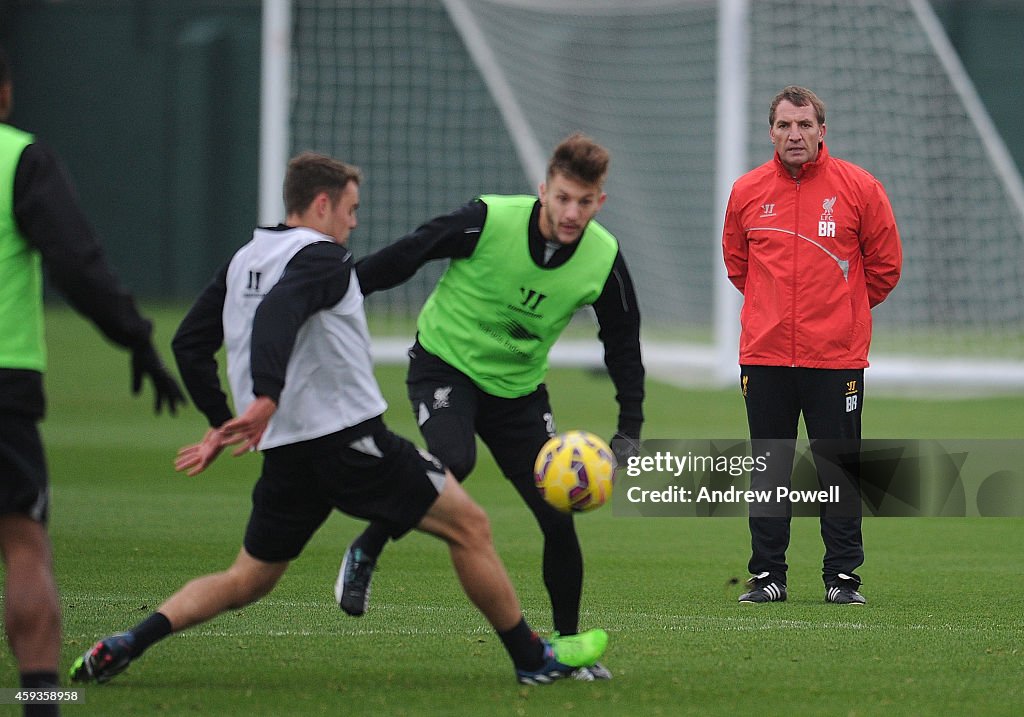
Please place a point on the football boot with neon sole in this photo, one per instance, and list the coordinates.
(568, 656)
(106, 659)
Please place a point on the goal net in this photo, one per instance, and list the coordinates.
(441, 100)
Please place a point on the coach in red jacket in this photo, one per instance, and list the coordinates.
(811, 242)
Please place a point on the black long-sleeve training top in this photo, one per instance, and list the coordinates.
(48, 215)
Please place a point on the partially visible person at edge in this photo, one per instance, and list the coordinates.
(288, 310)
(811, 242)
(520, 267)
(42, 225)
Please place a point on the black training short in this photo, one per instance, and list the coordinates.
(451, 411)
(366, 471)
(24, 485)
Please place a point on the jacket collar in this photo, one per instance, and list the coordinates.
(810, 169)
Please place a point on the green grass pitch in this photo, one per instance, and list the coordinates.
(942, 632)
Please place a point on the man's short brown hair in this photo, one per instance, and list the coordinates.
(309, 174)
(580, 158)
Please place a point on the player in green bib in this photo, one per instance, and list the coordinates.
(520, 267)
(43, 226)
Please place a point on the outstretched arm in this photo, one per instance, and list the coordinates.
(48, 215)
(446, 237)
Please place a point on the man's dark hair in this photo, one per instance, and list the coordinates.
(309, 174)
(580, 158)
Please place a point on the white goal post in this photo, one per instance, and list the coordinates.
(275, 95)
(439, 100)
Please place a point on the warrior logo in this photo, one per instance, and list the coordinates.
(531, 298)
(252, 287)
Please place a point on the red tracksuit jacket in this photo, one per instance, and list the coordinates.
(811, 255)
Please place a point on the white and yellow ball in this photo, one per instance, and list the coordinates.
(574, 471)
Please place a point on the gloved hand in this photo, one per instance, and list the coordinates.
(624, 446)
(146, 362)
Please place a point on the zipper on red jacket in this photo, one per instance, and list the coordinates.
(796, 242)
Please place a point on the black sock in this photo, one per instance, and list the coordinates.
(523, 646)
(373, 540)
(40, 681)
(154, 628)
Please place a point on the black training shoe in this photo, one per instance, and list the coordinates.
(763, 588)
(107, 658)
(843, 590)
(352, 589)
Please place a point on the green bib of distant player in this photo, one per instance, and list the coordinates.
(22, 344)
(495, 314)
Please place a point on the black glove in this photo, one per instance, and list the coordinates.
(146, 362)
(624, 446)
